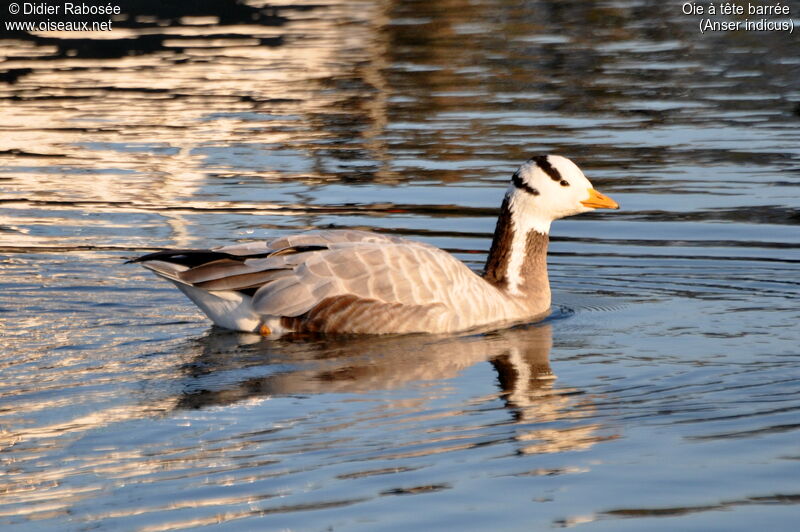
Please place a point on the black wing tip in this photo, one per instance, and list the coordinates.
(298, 249)
(184, 257)
(145, 258)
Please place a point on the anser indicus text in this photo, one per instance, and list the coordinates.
(346, 281)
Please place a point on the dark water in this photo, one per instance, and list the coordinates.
(675, 333)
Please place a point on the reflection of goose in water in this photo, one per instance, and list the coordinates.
(323, 365)
(523, 372)
(331, 364)
(362, 282)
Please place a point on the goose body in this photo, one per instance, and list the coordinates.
(347, 281)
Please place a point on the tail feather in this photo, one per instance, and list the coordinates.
(222, 284)
(168, 270)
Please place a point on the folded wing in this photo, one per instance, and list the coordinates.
(290, 276)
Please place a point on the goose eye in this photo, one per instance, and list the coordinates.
(564, 183)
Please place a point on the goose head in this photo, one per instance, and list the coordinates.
(549, 187)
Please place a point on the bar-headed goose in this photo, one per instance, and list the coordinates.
(346, 281)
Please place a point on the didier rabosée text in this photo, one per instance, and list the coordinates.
(69, 8)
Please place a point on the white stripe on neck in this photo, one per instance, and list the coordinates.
(525, 217)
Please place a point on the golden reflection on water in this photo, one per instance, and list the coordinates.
(137, 130)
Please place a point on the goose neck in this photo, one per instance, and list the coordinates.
(517, 262)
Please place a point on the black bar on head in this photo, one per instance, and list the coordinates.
(542, 162)
(519, 183)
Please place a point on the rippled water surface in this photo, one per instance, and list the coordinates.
(674, 339)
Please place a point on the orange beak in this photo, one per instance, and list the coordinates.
(599, 201)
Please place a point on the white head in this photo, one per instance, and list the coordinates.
(549, 187)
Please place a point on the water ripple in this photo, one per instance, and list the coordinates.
(661, 386)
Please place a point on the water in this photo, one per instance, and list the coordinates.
(674, 338)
